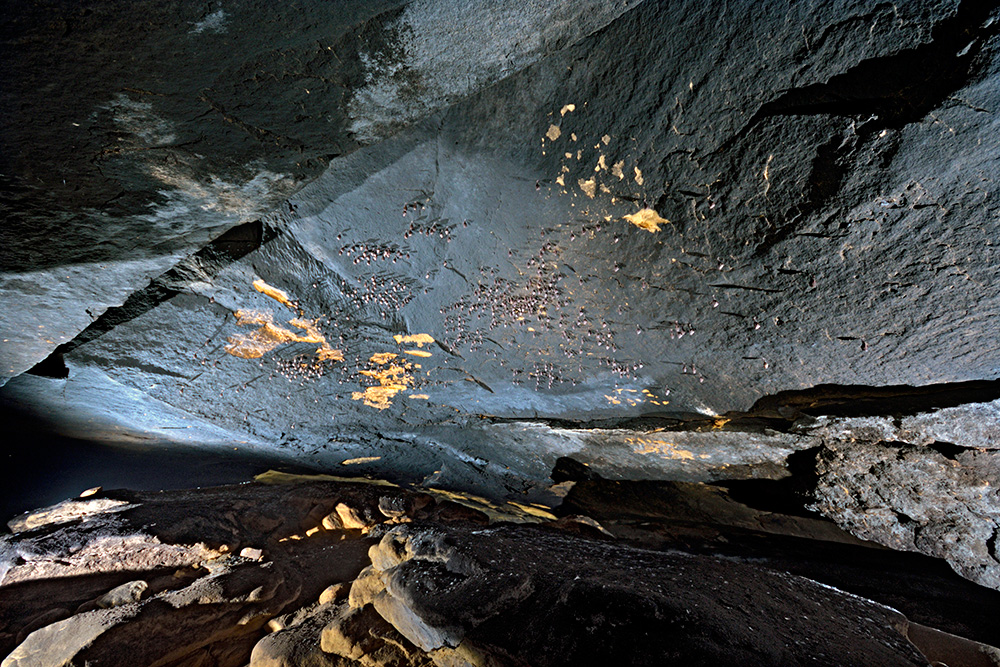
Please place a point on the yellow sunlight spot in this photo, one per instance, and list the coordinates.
(392, 380)
(281, 296)
(269, 336)
(667, 450)
(647, 219)
(360, 459)
(415, 339)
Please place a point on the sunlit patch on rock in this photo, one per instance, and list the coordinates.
(269, 335)
(662, 448)
(391, 379)
(360, 459)
(414, 339)
(647, 219)
(279, 295)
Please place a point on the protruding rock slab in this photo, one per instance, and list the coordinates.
(917, 498)
(455, 590)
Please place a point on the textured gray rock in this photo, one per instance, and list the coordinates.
(972, 426)
(439, 589)
(917, 499)
(782, 177)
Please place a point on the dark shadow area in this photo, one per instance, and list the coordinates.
(204, 264)
(789, 495)
(862, 400)
(52, 366)
(901, 88)
(42, 467)
(698, 518)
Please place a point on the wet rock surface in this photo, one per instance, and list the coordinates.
(428, 587)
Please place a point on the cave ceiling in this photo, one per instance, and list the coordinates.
(453, 242)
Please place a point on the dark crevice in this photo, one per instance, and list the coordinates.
(948, 450)
(52, 366)
(206, 263)
(747, 287)
(862, 401)
(568, 469)
(779, 412)
(904, 519)
(675, 421)
(790, 495)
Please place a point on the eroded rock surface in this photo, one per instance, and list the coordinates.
(425, 584)
(826, 196)
(917, 498)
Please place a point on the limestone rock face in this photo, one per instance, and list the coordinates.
(427, 229)
(155, 577)
(600, 601)
(365, 637)
(918, 498)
